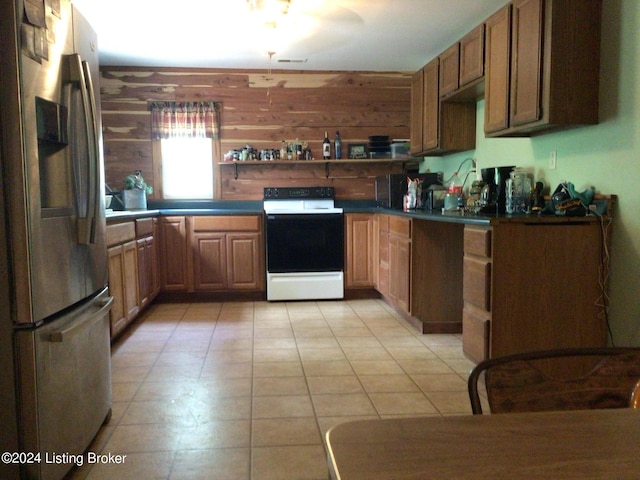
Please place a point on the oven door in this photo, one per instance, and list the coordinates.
(312, 242)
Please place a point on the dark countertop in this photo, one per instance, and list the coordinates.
(254, 207)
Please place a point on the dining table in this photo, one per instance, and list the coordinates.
(567, 445)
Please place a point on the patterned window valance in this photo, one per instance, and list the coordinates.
(184, 119)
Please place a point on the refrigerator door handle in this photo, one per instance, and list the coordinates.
(59, 336)
(76, 74)
(94, 192)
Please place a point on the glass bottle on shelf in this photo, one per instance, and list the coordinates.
(338, 146)
(326, 147)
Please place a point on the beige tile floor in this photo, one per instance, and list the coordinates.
(247, 390)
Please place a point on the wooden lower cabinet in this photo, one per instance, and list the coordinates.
(148, 278)
(211, 253)
(476, 314)
(174, 257)
(226, 253)
(123, 282)
(209, 261)
(400, 262)
(245, 270)
(436, 276)
(382, 254)
(359, 254)
(531, 285)
(545, 286)
(226, 261)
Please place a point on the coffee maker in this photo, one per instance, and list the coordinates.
(493, 197)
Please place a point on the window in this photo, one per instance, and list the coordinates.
(186, 140)
(187, 168)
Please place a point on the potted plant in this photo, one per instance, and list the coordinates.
(135, 192)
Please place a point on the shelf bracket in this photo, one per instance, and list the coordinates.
(326, 169)
(235, 172)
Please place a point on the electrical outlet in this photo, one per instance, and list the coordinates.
(553, 160)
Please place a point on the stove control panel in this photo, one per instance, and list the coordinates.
(303, 193)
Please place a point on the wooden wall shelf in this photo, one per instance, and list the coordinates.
(235, 164)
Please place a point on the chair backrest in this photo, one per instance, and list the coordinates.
(634, 402)
(566, 379)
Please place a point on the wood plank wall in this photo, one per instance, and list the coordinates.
(261, 110)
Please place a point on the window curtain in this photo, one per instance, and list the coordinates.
(184, 119)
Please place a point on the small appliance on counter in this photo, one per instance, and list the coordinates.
(493, 196)
(391, 188)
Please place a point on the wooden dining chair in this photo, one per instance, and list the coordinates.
(634, 402)
(565, 379)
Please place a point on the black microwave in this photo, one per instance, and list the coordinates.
(391, 189)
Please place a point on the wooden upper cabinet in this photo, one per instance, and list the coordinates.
(472, 56)
(417, 101)
(542, 66)
(497, 70)
(431, 106)
(526, 58)
(438, 126)
(449, 70)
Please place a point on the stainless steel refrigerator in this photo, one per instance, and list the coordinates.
(52, 245)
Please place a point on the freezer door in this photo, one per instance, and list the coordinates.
(64, 224)
(64, 384)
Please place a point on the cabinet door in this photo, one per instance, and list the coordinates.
(245, 269)
(174, 272)
(147, 270)
(431, 106)
(117, 316)
(383, 255)
(144, 270)
(400, 271)
(417, 104)
(130, 268)
(497, 70)
(526, 62)
(152, 246)
(359, 268)
(472, 55)
(449, 70)
(209, 261)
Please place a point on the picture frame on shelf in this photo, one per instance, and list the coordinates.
(357, 151)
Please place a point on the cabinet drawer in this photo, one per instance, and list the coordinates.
(476, 280)
(475, 335)
(400, 226)
(144, 227)
(118, 233)
(226, 223)
(477, 241)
